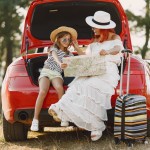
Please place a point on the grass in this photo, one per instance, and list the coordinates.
(74, 140)
(77, 140)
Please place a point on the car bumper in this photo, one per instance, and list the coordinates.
(26, 115)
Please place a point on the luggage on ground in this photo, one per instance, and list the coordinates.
(130, 119)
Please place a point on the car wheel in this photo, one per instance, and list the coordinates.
(14, 132)
(148, 127)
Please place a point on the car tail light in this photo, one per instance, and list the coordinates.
(17, 70)
(135, 68)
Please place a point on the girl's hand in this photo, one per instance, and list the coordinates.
(77, 48)
(63, 65)
(103, 52)
(75, 43)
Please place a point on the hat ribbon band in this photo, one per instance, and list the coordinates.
(100, 23)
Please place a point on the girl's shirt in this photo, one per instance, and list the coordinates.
(51, 64)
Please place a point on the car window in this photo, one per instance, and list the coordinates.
(49, 16)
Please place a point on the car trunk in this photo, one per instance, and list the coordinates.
(34, 66)
(48, 16)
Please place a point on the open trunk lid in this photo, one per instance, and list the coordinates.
(46, 15)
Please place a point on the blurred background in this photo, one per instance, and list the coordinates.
(13, 12)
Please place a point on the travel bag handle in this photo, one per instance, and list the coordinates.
(128, 51)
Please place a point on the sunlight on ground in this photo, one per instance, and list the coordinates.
(61, 129)
(66, 138)
(74, 140)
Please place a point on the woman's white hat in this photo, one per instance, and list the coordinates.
(70, 30)
(100, 20)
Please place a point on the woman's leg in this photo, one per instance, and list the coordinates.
(44, 84)
(96, 135)
(58, 85)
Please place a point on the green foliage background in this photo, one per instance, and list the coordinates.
(142, 24)
(10, 21)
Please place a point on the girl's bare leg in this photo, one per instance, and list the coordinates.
(44, 85)
(58, 85)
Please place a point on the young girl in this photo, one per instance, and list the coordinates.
(51, 72)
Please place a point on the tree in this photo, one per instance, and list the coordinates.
(10, 20)
(142, 23)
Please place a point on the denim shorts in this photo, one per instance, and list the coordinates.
(51, 74)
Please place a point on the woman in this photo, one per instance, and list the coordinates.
(51, 72)
(87, 99)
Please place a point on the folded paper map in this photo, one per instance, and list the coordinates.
(84, 66)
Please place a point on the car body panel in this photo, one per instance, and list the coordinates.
(19, 92)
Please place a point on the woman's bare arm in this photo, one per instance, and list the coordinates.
(113, 51)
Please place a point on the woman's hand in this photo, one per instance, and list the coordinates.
(63, 65)
(103, 52)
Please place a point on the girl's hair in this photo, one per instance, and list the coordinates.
(60, 35)
(104, 34)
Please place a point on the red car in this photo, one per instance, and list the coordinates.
(20, 85)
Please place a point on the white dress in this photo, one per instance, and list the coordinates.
(87, 99)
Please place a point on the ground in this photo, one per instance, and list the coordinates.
(74, 140)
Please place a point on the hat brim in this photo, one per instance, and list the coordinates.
(92, 24)
(70, 30)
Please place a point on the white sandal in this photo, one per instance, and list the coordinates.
(96, 135)
(54, 115)
(64, 124)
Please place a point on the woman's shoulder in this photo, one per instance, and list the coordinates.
(115, 37)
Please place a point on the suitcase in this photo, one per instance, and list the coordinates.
(130, 118)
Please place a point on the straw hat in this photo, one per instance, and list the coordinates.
(100, 20)
(72, 31)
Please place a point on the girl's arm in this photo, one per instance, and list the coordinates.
(55, 56)
(77, 48)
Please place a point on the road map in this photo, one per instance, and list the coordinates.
(84, 65)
